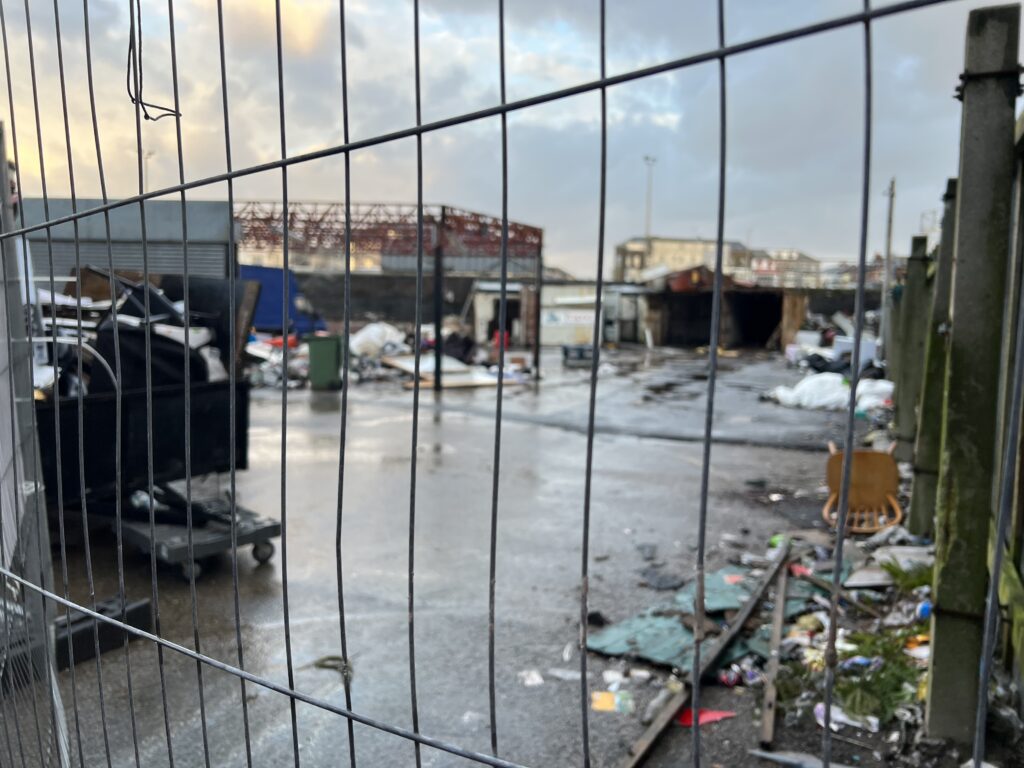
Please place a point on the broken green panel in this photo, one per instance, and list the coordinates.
(724, 590)
(659, 633)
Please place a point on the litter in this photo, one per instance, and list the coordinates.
(337, 664)
(906, 557)
(407, 364)
(531, 678)
(613, 678)
(612, 701)
(657, 703)
(371, 340)
(869, 577)
(640, 675)
(895, 535)
(840, 718)
(831, 392)
(660, 634)
(919, 653)
(567, 675)
(704, 717)
(794, 759)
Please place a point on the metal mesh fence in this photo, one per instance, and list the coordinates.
(33, 727)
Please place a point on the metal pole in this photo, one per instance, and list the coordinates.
(885, 331)
(438, 299)
(539, 285)
(649, 160)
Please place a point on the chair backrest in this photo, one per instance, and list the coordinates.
(875, 477)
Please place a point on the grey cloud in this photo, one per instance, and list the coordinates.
(795, 112)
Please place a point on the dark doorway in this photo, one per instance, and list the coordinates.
(511, 314)
(689, 319)
(755, 316)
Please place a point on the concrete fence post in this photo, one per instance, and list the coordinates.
(913, 327)
(970, 429)
(921, 520)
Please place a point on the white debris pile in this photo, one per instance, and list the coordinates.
(831, 392)
(377, 339)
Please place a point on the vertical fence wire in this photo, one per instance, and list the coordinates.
(57, 422)
(345, 372)
(709, 411)
(233, 358)
(848, 442)
(15, 681)
(80, 403)
(135, 76)
(112, 281)
(592, 403)
(285, 302)
(418, 336)
(187, 349)
(502, 321)
(28, 675)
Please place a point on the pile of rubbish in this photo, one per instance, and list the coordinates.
(831, 392)
(78, 325)
(382, 352)
(828, 348)
(265, 355)
(766, 629)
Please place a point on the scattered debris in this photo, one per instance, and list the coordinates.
(840, 718)
(795, 759)
(831, 392)
(568, 651)
(531, 678)
(704, 717)
(568, 675)
(612, 701)
(336, 663)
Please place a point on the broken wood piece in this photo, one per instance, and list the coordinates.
(640, 749)
(770, 691)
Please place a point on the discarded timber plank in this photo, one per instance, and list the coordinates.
(641, 747)
(770, 691)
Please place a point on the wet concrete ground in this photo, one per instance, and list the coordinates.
(646, 480)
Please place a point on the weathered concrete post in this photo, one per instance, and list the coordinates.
(913, 327)
(921, 520)
(969, 433)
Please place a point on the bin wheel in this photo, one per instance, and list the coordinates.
(263, 551)
(191, 570)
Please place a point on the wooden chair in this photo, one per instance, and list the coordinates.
(874, 485)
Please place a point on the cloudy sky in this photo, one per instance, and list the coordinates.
(795, 111)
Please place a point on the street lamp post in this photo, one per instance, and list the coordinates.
(649, 161)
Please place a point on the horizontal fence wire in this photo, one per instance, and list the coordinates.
(35, 584)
